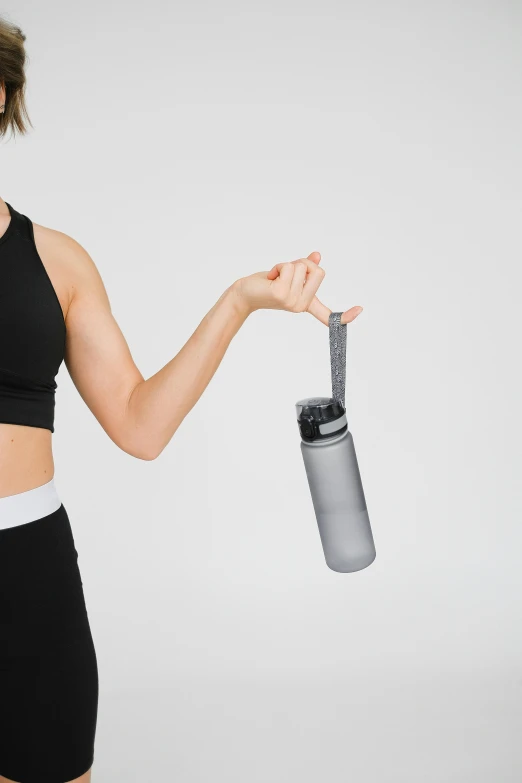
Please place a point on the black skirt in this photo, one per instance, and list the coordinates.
(48, 667)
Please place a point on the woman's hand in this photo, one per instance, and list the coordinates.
(290, 286)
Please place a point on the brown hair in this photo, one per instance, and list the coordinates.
(12, 77)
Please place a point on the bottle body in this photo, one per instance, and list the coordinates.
(339, 503)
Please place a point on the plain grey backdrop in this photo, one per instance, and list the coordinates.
(185, 145)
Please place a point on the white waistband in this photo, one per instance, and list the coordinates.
(29, 505)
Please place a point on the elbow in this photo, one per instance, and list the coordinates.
(145, 447)
(146, 456)
(148, 450)
(145, 451)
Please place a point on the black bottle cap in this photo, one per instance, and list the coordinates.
(315, 412)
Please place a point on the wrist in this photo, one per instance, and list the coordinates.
(238, 300)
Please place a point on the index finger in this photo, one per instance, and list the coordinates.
(322, 312)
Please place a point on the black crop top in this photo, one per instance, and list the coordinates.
(32, 330)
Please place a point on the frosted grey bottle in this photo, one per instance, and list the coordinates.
(333, 471)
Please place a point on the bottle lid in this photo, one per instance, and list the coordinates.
(320, 417)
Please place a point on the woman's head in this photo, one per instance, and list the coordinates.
(14, 115)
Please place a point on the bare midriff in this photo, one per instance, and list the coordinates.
(26, 458)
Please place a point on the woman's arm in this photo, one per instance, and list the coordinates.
(156, 407)
(139, 415)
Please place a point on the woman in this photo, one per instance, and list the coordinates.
(54, 308)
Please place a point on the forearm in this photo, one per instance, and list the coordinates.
(157, 406)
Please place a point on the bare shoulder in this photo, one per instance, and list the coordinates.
(71, 268)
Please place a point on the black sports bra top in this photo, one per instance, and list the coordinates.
(32, 330)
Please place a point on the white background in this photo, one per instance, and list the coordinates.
(185, 145)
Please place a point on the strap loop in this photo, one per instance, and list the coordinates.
(338, 356)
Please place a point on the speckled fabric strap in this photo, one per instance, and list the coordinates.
(338, 356)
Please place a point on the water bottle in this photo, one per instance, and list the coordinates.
(332, 469)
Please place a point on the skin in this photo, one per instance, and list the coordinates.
(139, 415)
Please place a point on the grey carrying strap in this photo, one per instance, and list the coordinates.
(338, 356)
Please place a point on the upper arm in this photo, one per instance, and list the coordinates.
(97, 355)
